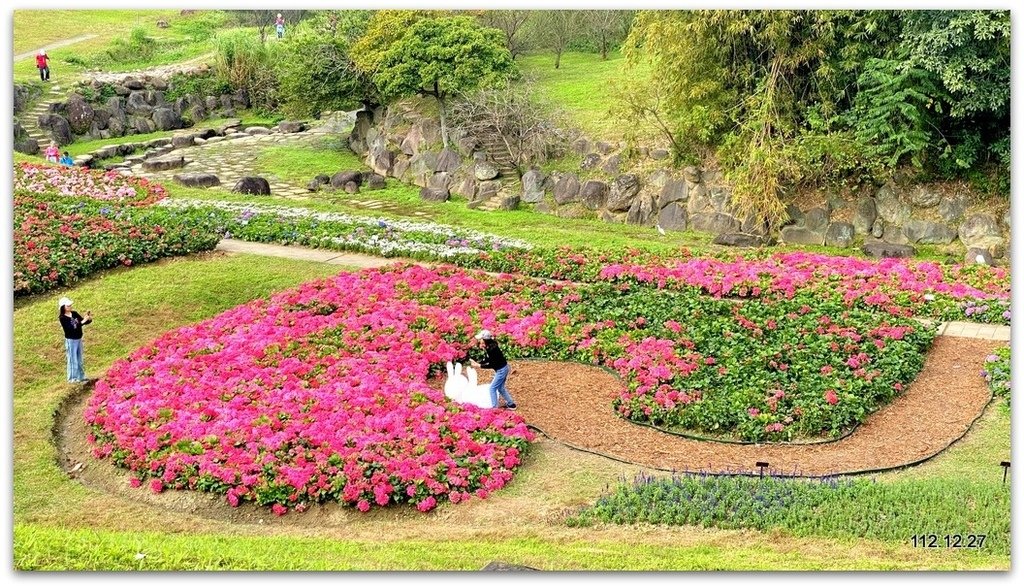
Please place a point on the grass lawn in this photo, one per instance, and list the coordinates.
(583, 85)
(59, 523)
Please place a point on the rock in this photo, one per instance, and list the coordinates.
(798, 235)
(673, 217)
(291, 126)
(657, 180)
(864, 215)
(1006, 219)
(341, 178)
(26, 145)
(533, 186)
(79, 114)
(581, 146)
(466, 188)
(953, 208)
(197, 179)
(375, 182)
(698, 201)
(794, 213)
(691, 174)
(183, 140)
(590, 161)
(142, 125)
(604, 147)
(137, 104)
(976, 255)
(545, 207)
(927, 232)
(509, 202)
(980, 230)
(894, 234)
(134, 84)
(252, 185)
(487, 190)
(839, 234)
(257, 130)
(166, 120)
(314, 185)
(434, 194)
(485, 170)
(719, 198)
(924, 197)
(164, 163)
(101, 117)
(877, 228)
(624, 189)
(439, 181)
(714, 222)
(381, 161)
(567, 188)
(229, 127)
(659, 154)
(740, 240)
(882, 249)
(59, 128)
(816, 220)
(448, 161)
(593, 194)
(674, 190)
(641, 212)
(351, 187)
(890, 207)
(158, 83)
(612, 165)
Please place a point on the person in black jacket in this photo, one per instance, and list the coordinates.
(496, 361)
(72, 323)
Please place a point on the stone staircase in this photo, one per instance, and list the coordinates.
(497, 153)
(29, 119)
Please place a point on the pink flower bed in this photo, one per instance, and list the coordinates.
(317, 394)
(80, 182)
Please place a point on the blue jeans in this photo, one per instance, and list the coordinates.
(76, 369)
(498, 385)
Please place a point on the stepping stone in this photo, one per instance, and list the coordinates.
(197, 179)
(163, 163)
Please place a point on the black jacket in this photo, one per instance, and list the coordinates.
(72, 325)
(495, 359)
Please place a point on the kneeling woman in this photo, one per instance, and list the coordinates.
(72, 323)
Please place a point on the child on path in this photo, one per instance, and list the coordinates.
(43, 63)
(495, 361)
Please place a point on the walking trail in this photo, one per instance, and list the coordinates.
(53, 46)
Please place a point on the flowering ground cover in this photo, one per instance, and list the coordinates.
(334, 230)
(997, 373)
(320, 393)
(72, 222)
(922, 288)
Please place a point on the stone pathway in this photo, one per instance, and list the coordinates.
(963, 329)
(29, 119)
(53, 46)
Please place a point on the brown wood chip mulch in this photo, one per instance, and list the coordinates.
(571, 403)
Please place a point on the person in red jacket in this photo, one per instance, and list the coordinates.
(43, 63)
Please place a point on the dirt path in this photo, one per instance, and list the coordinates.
(53, 46)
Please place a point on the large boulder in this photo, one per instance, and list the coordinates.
(624, 189)
(924, 197)
(164, 163)
(79, 114)
(674, 190)
(142, 124)
(798, 235)
(816, 220)
(197, 179)
(839, 234)
(137, 104)
(978, 256)
(341, 178)
(590, 161)
(434, 194)
(252, 185)
(891, 208)
(448, 161)
(928, 232)
(567, 188)
(980, 230)
(381, 161)
(613, 164)
(673, 217)
(59, 128)
(533, 186)
(883, 249)
(714, 222)
(741, 240)
(953, 208)
(26, 145)
(165, 119)
(291, 126)
(641, 212)
(864, 215)
(485, 170)
(440, 181)
(594, 194)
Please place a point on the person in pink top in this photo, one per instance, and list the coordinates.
(52, 153)
(43, 63)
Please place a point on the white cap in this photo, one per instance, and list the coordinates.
(65, 301)
(484, 334)
(42, 51)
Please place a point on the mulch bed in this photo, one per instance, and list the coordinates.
(571, 403)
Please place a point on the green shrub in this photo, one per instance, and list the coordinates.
(209, 84)
(247, 64)
(138, 47)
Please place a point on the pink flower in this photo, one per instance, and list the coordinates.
(278, 509)
(134, 482)
(831, 397)
(156, 485)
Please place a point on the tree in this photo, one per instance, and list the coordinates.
(608, 27)
(437, 57)
(556, 29)
(512, 23)
(316, 71)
